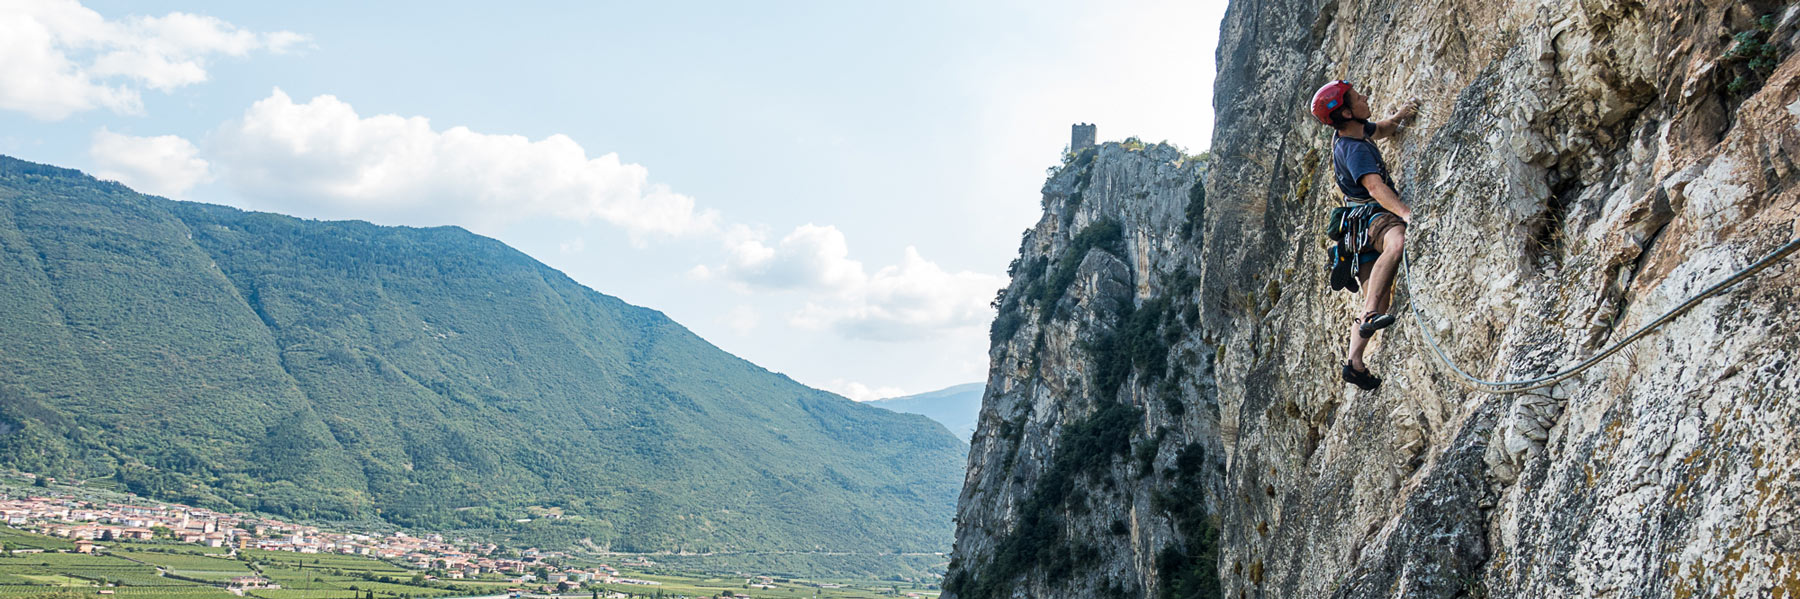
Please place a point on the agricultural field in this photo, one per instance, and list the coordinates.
(184, 561)
(22, 590)
(323, 584)
(326, 561)
(135, 573)
(286, 593)
(705, 585)
(167, 547)
(308, 578)
(398, 590)
(18, 539)
(184, 592)
(34, 568)
(189, 565)
(196, 572)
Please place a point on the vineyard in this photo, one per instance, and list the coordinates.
(34, 564)
(18, 539)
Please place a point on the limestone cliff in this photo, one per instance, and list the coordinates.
(1163, 416)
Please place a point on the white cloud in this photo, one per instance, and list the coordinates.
(58, 57)
(811, 257)
(283, 42)
(322, 158)
(572, 246)
(741, 319)
(861, 392)
(165, 165)
(915, 299)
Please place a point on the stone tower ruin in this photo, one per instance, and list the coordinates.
(1081, 135)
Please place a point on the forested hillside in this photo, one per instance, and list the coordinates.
(955, 407)
(426, 377)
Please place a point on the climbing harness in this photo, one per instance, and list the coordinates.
(1348, 228)
(1341, 263)
(1520, 386)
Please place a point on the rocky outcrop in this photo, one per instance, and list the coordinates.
(1079, 483)
(1163, 413)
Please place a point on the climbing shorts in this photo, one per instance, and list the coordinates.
(1378, 228)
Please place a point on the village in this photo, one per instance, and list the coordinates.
(417, 564)
(90, 525)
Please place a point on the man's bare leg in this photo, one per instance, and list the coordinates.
(1378, 288)
(1357, 341)
(1382, 279)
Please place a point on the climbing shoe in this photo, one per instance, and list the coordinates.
(1361, 378)
(1374, 321)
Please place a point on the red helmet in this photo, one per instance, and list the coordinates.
(1329, 99)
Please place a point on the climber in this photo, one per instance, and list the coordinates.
(1371, 227)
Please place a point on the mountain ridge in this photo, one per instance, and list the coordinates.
(424, 376)
(956, 407)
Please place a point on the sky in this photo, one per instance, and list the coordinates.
(831, 190)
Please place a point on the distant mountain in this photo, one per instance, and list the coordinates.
(954, 407)
(426, 377)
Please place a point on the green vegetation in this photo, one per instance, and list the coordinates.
(171, 547)
(1008, 314)
(1083, 450)
(189, 575)
(1752, 57)
(78, 576)
(67, 569)
(316, 582)
(956, 407)
(186, 592)
(1084, 174)
(85, 569)
(691, 585)
(186, 562)
(911, 567)
(1196, 209)
(1145, 454)
(1044, 292)
(1190, 570)
(189, 566)
(354, 563)
(13, 538)
(428, 378)
(1076, 160)
(1005, 325)
(1141, 342)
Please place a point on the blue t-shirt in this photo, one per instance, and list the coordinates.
(1352, 158)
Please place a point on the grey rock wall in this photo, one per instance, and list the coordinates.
(1579, 168)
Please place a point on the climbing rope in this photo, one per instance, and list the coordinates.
(1520, 386)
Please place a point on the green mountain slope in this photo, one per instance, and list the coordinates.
(954, 407)
(427, 377)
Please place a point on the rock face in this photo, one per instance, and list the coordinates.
(1163, 415)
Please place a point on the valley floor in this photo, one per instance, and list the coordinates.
(99, 544)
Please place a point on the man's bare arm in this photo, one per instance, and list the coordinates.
(1391, 126)
(1386, 196)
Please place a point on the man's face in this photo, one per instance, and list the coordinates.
(1359, 105)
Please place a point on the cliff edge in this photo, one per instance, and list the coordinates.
(1163, 416)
